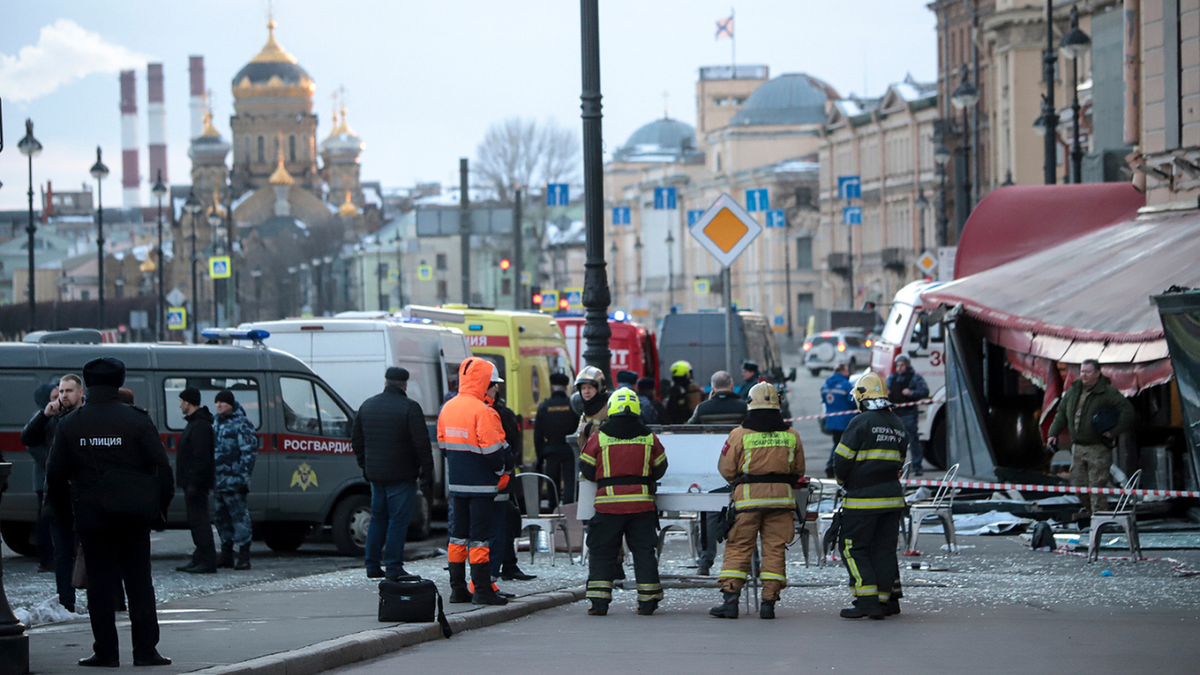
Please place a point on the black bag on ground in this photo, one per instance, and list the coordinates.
(1042, 536)
(411, 599)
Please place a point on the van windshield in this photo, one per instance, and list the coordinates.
(897, 323)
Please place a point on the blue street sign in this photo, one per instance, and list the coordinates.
(664, 198)
(557, 194)
(620, 215)
(852, 215)
(694, 215)
(756, 200)
(849, 187)
(776, 218)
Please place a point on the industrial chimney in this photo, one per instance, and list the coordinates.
(196, 102)
(156, 112)
(130, 178)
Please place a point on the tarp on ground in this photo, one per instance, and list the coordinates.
(1087, 298)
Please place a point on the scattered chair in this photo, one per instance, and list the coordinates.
(534, 519)
(1124, 516)
(940, 507)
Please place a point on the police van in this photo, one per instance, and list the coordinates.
(306, 476)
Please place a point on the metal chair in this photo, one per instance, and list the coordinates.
(534, 519)
(811, 526)
(940, 507)
(689, 524)
(1124, 516)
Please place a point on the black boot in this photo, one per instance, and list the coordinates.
(891, 607)
(646, 608)
(483, 593)
(226, 559)
(727, 609)
(766, 610)
(599, 608)
(872, 611)
(514, 573)
(458, 583)
(243, 557)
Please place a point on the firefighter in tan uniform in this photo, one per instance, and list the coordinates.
(763, 460)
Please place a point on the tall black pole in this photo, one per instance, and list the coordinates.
(100, 245)
(1076, 151)
(160, 322)
(31, 230)
(787, 273)
(1049, 114)
(963, 203)
(195, 318)
(596, 297)
(464, 228)
(518, 251)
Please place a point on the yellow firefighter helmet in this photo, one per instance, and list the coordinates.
(681, 369)
(869, 386)
(624, 402)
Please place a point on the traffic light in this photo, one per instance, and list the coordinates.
(564, 304)
(505, 263)
(535, 297)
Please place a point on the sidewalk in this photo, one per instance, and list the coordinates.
(301, 625)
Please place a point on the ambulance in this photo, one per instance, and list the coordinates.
(527, 347)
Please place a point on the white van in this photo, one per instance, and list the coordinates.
(352, 354)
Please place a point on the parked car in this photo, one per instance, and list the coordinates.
(829, 349)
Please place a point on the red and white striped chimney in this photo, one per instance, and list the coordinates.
(157, 128)
(196, 102)
(130, 178)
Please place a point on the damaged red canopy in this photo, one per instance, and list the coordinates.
(1088, 297)
(1013, 222)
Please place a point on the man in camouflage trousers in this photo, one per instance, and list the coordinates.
(235, 450)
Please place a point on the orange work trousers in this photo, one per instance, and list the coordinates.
(777, 529)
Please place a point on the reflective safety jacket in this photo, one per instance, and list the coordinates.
(868, 461)
(762, 466)
(624, 469)
(470, 434)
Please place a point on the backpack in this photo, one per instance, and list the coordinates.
(1042, 536)
(411, 599)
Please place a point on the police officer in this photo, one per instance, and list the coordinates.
(98, 452)
(867, 464)
(763, 460)
(750, 377)
(554, 422)
(471, 436)
(625, 460)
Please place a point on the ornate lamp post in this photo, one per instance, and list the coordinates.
(964, 97)
(256, 274)
(215, 220)
(941, 155)
(100, 172)
(160, 190)
(1073, 46)
(670, 268)
(1049, 118)
(596, 296)
(30, 147)
(193, 208)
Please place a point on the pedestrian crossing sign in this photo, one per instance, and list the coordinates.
(176, 318)
(424, 272)
(702, 286)
(219, 267)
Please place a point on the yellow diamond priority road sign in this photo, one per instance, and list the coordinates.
(725, 230)
(927, 262)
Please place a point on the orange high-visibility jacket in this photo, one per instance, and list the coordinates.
(470, 434)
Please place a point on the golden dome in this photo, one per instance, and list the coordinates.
(272, 72)
(148, 266)
(348, 209)
(344, 128)
(272, 52)
(281, 175)
(209, 130)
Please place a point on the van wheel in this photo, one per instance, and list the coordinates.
(350, 520)
(19, 537)
(815, 372)
(285, 537)
(422, 521)
(935, 449)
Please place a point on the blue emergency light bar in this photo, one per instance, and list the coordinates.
(255, 335)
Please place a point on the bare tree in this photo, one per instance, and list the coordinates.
(518, 151)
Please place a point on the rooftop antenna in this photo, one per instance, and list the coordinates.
(666, 110)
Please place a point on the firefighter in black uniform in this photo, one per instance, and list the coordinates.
(867, 464)
(554, 422)
(93, 475)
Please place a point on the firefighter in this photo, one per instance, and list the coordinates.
(763, 460)
(867, 464)
(592, 402)
(471, 436)
(625, 460)
(684, 394)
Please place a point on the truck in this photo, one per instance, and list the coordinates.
(632, 345)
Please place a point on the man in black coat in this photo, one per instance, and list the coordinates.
(554, 422)
(724, 406)
(194, 473)
(102, 453)
(391, 443)
(507, 523)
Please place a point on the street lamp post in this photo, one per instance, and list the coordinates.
(1049, 118)
(160, 190)
(670, 268)
(193, 208)
(941, 155)
(964, 97)
(256, 274)
(30, 147)
(616, 283)
(286, 299)
(1073, 46)
(100, 172)
(596, 296)
(218, 243)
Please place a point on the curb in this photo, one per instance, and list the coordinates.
(371, 644)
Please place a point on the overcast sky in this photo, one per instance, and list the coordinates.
(423, 80)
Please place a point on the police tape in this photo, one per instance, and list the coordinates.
(1059, 489)
(855, 412)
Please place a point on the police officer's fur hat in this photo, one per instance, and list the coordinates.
(559, 380)
(104, 372)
